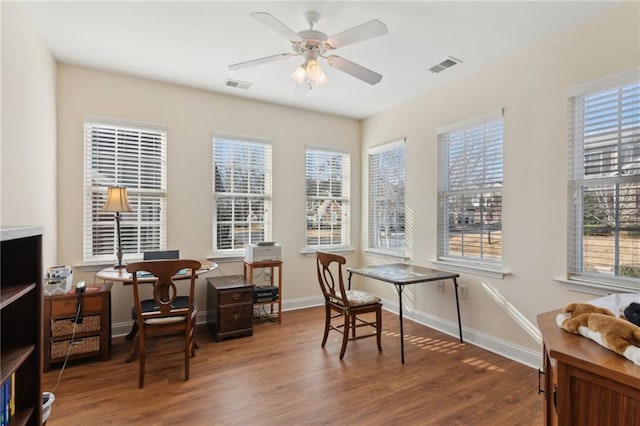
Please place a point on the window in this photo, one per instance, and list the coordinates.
(386, 198)
(328, 191)
(470, 191)
(241, 194)
(604, 182)
(132, 156)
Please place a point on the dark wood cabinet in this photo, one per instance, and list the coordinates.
(85, 336)
(229, 307)
(21, 323)
(585, 383)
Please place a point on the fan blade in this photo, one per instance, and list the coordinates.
(276, 26)
(351, 68)
(371, 29)
(260, 61)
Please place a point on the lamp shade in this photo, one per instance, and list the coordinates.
(117, 200)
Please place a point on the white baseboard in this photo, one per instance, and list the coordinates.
(494, 344)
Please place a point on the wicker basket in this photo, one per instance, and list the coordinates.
(79, 346)
(64, 327)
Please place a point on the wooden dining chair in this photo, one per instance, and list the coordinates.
(167, 317)
(347, 304)
(149, 304)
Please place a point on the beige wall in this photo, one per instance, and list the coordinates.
(28, 145)
(191, 117)
(533, 88)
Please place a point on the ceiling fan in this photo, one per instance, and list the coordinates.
(312, 44)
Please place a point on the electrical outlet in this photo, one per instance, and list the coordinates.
(464, 291)
(440, 287)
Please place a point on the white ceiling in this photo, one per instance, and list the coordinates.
(192, 43)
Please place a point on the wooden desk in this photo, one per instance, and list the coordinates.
(585, 383)
(121, 275)
(400, 275)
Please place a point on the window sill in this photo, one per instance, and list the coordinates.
(383, 253)
(226, 258)
(473, 268)
(600, 288)
(338, 249)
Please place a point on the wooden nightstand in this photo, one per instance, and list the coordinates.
(92, 336)
(229, 307)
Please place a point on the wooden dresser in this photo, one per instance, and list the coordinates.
(92, 335)
(229, 307)
(584, 383)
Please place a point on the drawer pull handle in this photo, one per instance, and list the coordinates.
(235, 296)
(236, 316)
(540, 374)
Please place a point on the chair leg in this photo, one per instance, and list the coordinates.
(345, 334)
(327, 323)
(379, 327)
(353, 326)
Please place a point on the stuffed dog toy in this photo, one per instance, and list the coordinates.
(602, 326)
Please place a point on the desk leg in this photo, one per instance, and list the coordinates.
(133, 332)
(134, 351)
(455, 283)
(399, 289)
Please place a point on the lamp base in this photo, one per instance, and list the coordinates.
(119, 266)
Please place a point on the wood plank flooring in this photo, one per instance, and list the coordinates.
(281, 376)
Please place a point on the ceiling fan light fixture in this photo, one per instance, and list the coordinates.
(314, 70)
(299, 75)
(312, 44)
(321, 80)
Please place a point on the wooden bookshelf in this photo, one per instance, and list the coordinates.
(21, 322)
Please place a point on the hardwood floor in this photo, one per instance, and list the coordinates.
(281, 376)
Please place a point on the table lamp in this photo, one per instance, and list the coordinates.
(117, 202)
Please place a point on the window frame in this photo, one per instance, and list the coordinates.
(481, 265)
(377, 155)
(344, 199)
(264, 197)
(149, 201)
(583, 176)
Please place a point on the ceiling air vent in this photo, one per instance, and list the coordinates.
(447, 63)
(238, 84)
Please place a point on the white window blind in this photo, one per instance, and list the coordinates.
(386, 198)
(131, 156)
(604, 182)
(242, 193)
(328, 198)
(470, 193)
